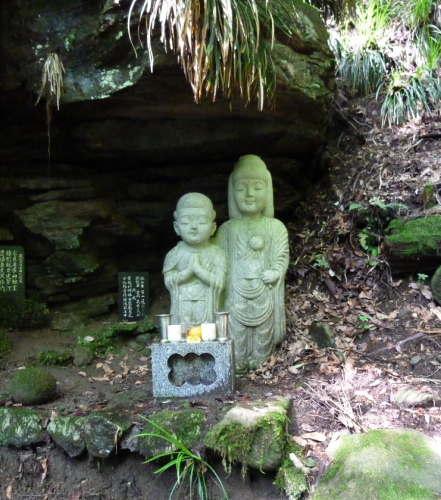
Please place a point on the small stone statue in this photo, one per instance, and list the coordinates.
(195, 270)
(257, 247)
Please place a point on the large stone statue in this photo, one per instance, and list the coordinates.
(257, 247)
(195, 270)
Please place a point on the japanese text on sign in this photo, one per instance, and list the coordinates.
(133, 296)
(12, 268)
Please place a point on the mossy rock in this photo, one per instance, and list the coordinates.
(24, 313)
(291, 480)
(21, 427)
(68, 432)
(253, 434)
(395, 464)
(104, 430)
(435, 285)
(414, 237)
(185, 425)
(32, 386)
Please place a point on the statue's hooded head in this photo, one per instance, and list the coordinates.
(250, 167)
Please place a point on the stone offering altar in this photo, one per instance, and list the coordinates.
(186, 369)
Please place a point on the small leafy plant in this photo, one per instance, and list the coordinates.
(191, 468)
(371, 220)
(364, 322)
(53, 358)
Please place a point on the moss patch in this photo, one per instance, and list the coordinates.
(5, 344)
(185, 425)
(416, 236)
(256, 437)
(22, 313)
(290, 479)
(32, 386)
(382, 464)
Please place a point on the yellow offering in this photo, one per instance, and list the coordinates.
(194, 334)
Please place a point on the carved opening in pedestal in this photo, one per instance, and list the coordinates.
(192, 368)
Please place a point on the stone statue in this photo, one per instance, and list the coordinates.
(257, 247)
(195, 270)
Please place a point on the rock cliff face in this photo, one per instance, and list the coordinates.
(93, 192)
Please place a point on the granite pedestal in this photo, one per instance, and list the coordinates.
(187, 369)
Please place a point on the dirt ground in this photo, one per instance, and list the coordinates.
(384, 371)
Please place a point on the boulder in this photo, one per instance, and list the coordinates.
(68, 433)
(393, 464)
(185, 426)
(253, 434)
(21, 427)
(104, 430)
(32, 386)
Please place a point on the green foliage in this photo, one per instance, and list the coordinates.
(364, 324)
(422, 277)
(52, 358)
(407, 95)
(100, 341)
(372, 56)
(361, 48)
(320, 261)
(24, 313)
(222, 45)
(190, 467)
(5, 344)
(371, 222)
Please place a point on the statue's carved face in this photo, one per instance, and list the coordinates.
(194, 226)
(250, 196)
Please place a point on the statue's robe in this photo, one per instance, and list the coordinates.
(257, 310)
(194, 302)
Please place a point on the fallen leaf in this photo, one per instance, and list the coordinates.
(365, 394)
(314, 436)
(300, 441)
(412, 396)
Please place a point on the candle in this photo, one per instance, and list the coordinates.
(208, 331)
(174, 333)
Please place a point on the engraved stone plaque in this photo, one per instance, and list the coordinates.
(12, 272)
(133, 296)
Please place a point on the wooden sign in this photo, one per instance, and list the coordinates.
(12, 272)
(133, 297)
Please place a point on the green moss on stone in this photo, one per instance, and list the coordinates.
(20, 427)
(290, 479)
(185, 425)
(52, 358)
(260, 445)
(22, 313)
(382, 464)
(435, 285)
(415, 236)
(5, 344)
(32, 386)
